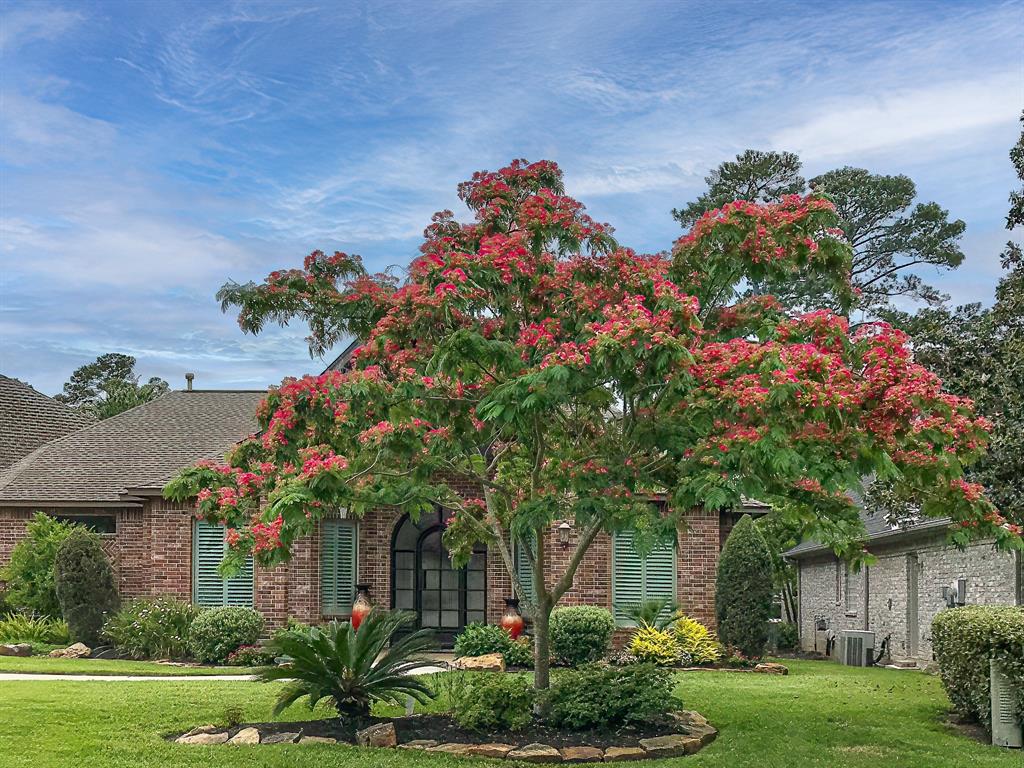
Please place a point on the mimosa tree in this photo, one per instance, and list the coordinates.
(566, 377)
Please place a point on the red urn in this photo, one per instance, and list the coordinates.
(361, 606)
(512, 620)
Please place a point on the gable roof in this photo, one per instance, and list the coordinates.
(28, 419)
(137, 451)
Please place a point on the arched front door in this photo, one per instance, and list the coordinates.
(444, 599)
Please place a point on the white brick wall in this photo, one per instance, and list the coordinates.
(878, 594)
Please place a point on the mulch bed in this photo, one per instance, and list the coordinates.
(444, 729)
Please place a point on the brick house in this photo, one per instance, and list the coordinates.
(898, 597)
(110, 475)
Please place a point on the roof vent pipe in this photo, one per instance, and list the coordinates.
(189, 377)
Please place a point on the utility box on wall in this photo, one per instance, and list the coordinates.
(1006, 729)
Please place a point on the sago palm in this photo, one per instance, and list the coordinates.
(656, 612)
(351, 668)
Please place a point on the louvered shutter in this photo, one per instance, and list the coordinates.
(338, 558)
(636, 579)
(208, 588)
(524, 571)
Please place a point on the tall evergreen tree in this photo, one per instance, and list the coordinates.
(744, 590)
(109, 386)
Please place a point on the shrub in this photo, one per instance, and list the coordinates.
(580, 634)
(216, 632)
(29, 574)
(963, 640)
(696, 640)
(657, 612)
(655, 646)
(85, 585)
(481, 639)
(351, 669)
(610, 697)
(788, 638)
(494, 700)
(252, 656)
(152, 628)
(743, 597)
(24, 628)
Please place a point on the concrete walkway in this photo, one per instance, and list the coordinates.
(163, 678)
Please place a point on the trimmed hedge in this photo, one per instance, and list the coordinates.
(85, 587)
(216, 633)
(744, 591)
(580, 634)
(964, 639)
(609, 698)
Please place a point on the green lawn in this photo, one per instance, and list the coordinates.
(46, 665)
(821, 715)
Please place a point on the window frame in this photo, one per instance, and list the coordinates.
(340, 521)
(226, 600)
(644, 596)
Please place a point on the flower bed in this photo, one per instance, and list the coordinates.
(687, 734)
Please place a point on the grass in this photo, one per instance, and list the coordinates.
(47, 666)
(821, 715)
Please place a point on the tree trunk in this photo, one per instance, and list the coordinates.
(542, 646)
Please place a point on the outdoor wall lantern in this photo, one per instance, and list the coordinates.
(563, 534)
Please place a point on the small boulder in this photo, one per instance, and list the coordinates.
(581, 755)
(535, 753)
(204, 738)
(418, 744)
(457, 749)
(489, 662)
(317, 740)
(673, 745)
(246, 736)
(201, 729)
(771, 668)
(281, 738)
(75, 651)
(379, 735)
(16, 649)
(493, 751)
(620, 754)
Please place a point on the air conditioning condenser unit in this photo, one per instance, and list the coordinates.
(857, 647)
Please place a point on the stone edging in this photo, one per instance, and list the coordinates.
(692, 732)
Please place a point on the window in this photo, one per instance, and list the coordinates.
(208, 588)
(524, 571)
(339, 544)
(636, 579)
(104, 524)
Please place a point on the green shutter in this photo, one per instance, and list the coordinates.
(524, 572)
(636, 579)
(208, 588)
(338, 558)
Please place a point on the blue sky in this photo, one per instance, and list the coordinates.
(149, 151)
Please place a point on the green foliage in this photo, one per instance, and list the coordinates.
(890, 235)
(152, 628)
(217, 632)
(1015, 218)
(696, 640)
(964, 639)
(351, 669)
(743, 592)
(788, 637)
(655, 646)
(494, 700)
(580, 634)
(109, 386)
(480, 639)
(252, 656)
(85, 586)
(610, 697)
(25, 628)
(658, 612)
(29, 573)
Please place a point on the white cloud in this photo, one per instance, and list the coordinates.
(18, 28)
(892, 119)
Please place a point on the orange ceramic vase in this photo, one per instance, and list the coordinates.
(361, 606)
(512, 620)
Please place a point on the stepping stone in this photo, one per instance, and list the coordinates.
(619, 754)
(246, 736)
(581, 755)
(535, 753)
(281, 738)
(379, 735)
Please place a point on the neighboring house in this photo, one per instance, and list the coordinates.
(110, 476)
(28, 419)
(900, 594)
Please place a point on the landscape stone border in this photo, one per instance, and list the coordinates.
(691, 732)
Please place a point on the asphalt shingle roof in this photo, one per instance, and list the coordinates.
(877, 528)
(141, 448)
(28, 419)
